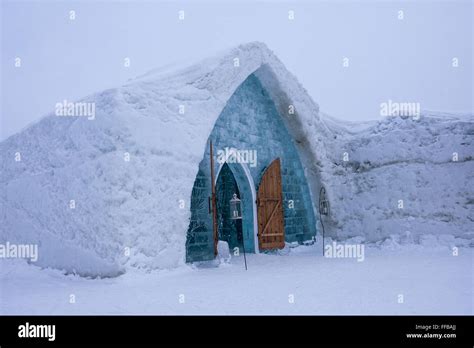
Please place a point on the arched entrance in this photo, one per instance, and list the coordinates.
(234, 178)
(250, 124)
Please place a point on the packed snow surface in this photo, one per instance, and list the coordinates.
(392, 279)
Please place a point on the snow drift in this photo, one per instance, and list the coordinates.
(130, 213)
(426, 164)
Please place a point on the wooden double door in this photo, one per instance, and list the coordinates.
(271, 229)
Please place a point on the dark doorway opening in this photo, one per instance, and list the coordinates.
(229, 230)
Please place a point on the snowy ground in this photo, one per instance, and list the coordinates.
(431, 280)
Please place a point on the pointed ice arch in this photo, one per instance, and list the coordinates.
(245, 182)
(251, 121)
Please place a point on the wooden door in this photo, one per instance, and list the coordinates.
(271, 231)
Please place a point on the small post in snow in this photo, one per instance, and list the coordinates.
(236, 214)
(213, 201)
(323, 208)
(243, 248)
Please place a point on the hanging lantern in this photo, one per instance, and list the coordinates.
(235, 208)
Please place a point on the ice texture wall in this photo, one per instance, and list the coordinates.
(250, 121)
(405, 179)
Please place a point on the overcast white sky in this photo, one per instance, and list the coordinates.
(401, 60)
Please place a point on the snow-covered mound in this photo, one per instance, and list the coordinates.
(404, 175)
(130, 213)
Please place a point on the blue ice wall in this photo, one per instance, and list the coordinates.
(250, 121)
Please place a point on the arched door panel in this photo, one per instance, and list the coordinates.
(271, 229)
